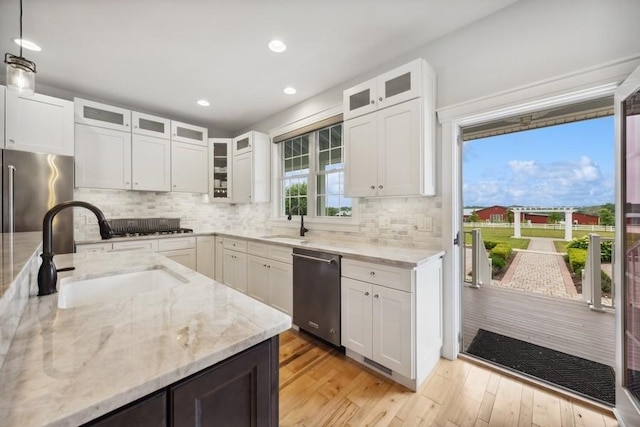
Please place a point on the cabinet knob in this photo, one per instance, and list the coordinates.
(175, 185)
(11, 141)
(380, 99)
(127, 182)
(376, 296)
(373, 273)
(135, 127)
(126, 125)
(366, 294)
(373, 187)
(373, 102)
(380, 187)
(136, 183)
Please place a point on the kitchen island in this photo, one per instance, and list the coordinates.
(71, 366)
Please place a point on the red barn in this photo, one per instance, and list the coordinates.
(493, 214)
(585, 219)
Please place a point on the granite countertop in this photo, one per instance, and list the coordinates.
(17, 249)
(68, 366)
(396, 256)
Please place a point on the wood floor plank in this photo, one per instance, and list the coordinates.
(546, 409)
(525, 419)
(320, 386)
(506, 407)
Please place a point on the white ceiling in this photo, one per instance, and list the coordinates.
(160, 56)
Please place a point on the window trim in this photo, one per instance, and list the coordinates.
(350, 224)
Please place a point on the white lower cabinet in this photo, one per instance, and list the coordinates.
(271, 282)
(205, 255)
(186, 257)
(376, 323)
(391, 316)
(234, 270)
(219, 253)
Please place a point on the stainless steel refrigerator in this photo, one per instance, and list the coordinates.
(32, 183)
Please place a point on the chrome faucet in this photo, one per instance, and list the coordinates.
(300, 211)
(48, 274)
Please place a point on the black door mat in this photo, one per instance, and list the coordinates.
(591, 379)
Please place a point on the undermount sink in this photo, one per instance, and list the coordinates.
(286, 239)
(76, 293)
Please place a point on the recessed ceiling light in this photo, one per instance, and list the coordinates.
(203, 102)
(277, 46)
(289, 90)
(27, 44)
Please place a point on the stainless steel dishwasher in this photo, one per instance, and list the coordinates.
(316, 294)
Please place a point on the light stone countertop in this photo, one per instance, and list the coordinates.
(69, 366)
(395, 256)
(17, 249)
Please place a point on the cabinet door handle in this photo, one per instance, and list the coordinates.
(380, 187)
(380, 99)
(126, 125)
(373, 273)
(373, 102)
(366, 294)
(373, 187)
(11, 141)
(376, 296)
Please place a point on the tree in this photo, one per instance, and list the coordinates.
(554, 218)
(296, 195)
(474, 217)
(606, 216)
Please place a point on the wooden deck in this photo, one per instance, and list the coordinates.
(560, 324)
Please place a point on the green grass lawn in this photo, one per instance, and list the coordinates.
(504, 235)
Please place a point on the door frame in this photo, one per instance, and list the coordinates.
(627, 410)
(594, 82)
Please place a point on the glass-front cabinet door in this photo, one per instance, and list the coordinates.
(220, 150)
(627, 104)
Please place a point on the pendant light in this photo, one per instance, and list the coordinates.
(21, 73)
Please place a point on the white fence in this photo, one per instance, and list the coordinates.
(524, 225)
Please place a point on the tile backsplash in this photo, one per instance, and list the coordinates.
(405, 221)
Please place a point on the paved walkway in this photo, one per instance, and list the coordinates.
(538, 269)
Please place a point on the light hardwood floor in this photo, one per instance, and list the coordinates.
(321, 387)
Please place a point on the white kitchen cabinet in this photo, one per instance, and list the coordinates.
(390, 144)
(150, 163)
(398, 85)
(392, 316)
(376, 323)
(103, 158)
(102, 115)
(39, 123)
(271, 281)
(151, 244)
(189, 168)
(186, 257)
(219, 253)
(191, 134)
(251, 168)
(94, 247)
(235, 270)
(3, 91)
(205, 253)
(182, 250)
(221, 160)
(148, 125)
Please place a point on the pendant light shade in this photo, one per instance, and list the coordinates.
(21, 73)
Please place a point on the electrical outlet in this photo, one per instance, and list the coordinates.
(425, 223)
(384, 221)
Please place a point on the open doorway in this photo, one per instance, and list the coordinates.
(535, 187)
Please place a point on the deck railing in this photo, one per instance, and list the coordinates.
(592, 275)
(480, 262)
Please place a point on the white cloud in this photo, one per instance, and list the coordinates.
(527, 182)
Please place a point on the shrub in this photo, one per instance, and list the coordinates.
(499, 255)
(606, 282)
(577, 259)
(583, 243)
(490, 244)
(498, 263)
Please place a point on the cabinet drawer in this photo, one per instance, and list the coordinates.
(258, 249)
(94, 247)
(384, 275)
(136, 244)
(281, 253)
(178, 243)
(235, 244)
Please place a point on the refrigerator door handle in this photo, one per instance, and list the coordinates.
(12, 211)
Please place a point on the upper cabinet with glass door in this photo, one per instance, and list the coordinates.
(101, 115)
(191, 134)
(220, 169)
(146, 124)
(398, 85)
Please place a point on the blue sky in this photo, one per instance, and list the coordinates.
(563, 165)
